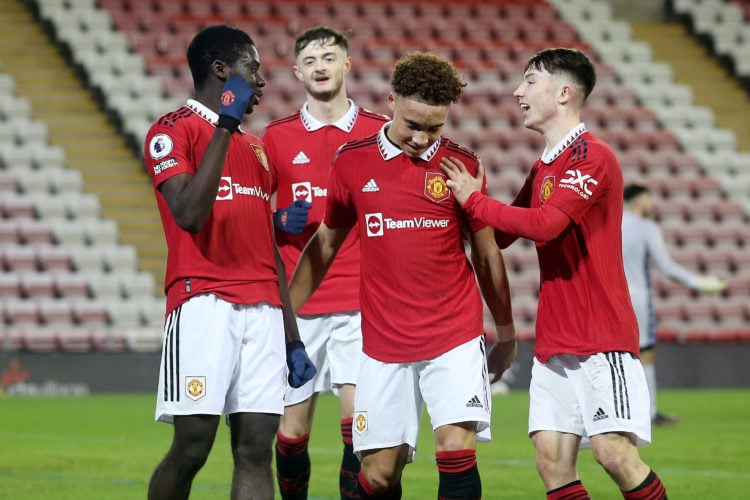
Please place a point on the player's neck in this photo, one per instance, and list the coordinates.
(328, 111)
(557, 129)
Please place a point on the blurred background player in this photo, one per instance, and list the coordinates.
(642, 245)
(227, 297)
(300, 149)
(587, 383)
(422, 325)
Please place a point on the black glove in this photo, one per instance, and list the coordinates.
(293, 218)
(235, 97)
(301, 369)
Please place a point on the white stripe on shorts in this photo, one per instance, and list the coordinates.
(171, 353)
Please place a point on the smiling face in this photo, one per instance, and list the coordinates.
(416, 126)
(538, 96)
(322, 66)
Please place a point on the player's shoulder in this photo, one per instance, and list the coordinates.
(371, 115)
(284, 121)
(173, 119)
(595, 144)
(358, 144)
(458, 150)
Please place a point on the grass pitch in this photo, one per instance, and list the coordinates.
(106, 446)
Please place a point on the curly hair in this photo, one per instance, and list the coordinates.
(571, 61)
(428, 78)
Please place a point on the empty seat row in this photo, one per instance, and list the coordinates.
(65, 284)
(65, 338)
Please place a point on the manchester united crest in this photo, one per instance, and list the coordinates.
(548, 185)
(261, 155)
(360, 422)
(195, 387)
(435, 187)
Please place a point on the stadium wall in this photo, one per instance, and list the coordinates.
(704, 365)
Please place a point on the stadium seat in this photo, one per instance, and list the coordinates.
(39, 338)
(55, 311)
(10, 285)
(90, 313)
(74, 339)
(20, 312)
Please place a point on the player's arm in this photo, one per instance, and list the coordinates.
(314, 262)
(301, 368)
(191, 197)
(537, 224)
(657, 250)
(492, 278)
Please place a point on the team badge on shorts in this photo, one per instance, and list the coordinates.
(548, 185)
(360, 422)
(435, 187)
(261, 155)
(195, 387)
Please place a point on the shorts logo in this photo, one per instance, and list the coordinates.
(302, 191)
(225, 189)
(548, 185)
(160, 146)
(600, 415)
(435, 187)
(374, 224)
(360, 422)
(474, 403)
(261, 155)
(195, 387)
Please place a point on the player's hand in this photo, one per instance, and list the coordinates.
(460, 181)
(503, 353)
(711, 284)
(301, 369)
(235, 98)
(293, 218)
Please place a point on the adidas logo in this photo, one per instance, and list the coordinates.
(600, 415)
(371, 187)
(300, 159)
(474, 403)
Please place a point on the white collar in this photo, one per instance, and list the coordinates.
(548, 156)
(202, 110)
(345, 123)
(388, 150)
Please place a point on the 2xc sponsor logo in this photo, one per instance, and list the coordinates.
(580, 183)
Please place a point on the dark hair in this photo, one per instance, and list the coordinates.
(428, 78)
(322, 34)
(633, 191)
(571, 61)
(220, 42)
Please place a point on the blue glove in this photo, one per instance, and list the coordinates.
(301, 369)
(235, 98)
(293, 218)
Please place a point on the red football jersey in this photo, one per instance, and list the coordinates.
(418, 290)
(300, 150)
(232, 255)
(584, 303)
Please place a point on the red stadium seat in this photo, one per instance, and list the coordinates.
(74, 339)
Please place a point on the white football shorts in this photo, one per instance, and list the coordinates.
(389, 398)
(589, 395)
(334, 344)
(220, 357)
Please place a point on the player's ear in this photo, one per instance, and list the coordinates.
(220, 69)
